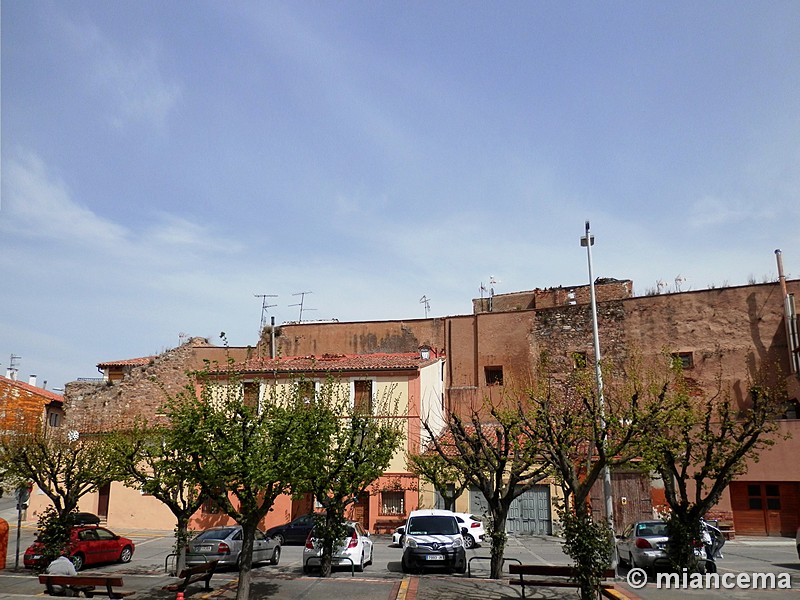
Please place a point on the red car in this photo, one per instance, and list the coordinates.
(89, 545)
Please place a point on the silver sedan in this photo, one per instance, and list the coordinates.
(643, 544)
(224, 544)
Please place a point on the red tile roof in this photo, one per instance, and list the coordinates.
(130, 362)
(33, 389)
(324, 363)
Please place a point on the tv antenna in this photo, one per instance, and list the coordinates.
(264, 307)
(12, 366)
(300, 304)
(427, 302)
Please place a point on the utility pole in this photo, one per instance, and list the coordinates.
(588, 241)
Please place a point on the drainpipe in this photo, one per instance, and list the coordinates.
(790, 316)
(272, 338)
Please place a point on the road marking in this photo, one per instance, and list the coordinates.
(401, 593)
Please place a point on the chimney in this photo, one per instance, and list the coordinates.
(32, 380)
(11, 374)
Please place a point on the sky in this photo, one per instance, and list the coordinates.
(164, 163)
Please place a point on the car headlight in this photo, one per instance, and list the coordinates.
(411, 542)
(458, 542)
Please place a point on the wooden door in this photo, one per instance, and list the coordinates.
(360, 511)
(103, 495)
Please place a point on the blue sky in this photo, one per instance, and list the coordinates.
(163, 162)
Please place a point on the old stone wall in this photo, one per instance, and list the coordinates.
(605, 289)
(108, 405)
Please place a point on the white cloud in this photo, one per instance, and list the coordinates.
(131, 79)
(714, 211)
(40, 205)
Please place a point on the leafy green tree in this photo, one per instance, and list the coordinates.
(53, 533)
(579, 437)
(64, 465)
(150, 458)
(496, 456)
(449, 482)
(360, 443)
(243, 454)
(701, 443)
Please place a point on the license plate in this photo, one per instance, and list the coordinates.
(37, 557)
(204, 549)
(434, 557)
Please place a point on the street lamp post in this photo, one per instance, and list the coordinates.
(588, 241)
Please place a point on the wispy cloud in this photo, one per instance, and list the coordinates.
(131, 80)
(38, 204)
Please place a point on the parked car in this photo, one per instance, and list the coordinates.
(398, 536)
(225, 545)
(471, 528)
(433, 538)
(89, 545)
(355, 549)
(294, 532)
(797, 539)
(643, 545)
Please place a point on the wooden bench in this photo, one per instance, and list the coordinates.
(85, 584)
(190, 575)
(554, 576)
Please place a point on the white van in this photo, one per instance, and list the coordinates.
(433, 539)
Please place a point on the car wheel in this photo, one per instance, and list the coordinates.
(276, 556)
(78, 560)
(461, 568)
(404, 566)
(469, 541)
(621, 560)
(360, 565)
(126, 554)
(280, 539)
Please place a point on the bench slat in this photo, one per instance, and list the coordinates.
(88, 584)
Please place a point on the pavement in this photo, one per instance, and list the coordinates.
(287, 582)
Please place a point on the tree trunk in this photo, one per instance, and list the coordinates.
(246, 560)
(498, 537)
(181, 539)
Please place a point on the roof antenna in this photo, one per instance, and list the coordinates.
(264, 307)
(300, 304)
(427, 302)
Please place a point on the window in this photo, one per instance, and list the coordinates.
(210, 508)
(686, 359)
(306, 390)
(362, 399)
(54, 419)
(494, 375)
(393, 503)
(251, 392)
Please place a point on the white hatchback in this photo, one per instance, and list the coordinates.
(355, 549)
(471, 528)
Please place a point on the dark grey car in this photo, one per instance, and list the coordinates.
(225, 545)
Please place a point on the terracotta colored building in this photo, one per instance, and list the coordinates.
(724, 332)
(25, 404)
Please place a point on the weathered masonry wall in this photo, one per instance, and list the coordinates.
(108, 405)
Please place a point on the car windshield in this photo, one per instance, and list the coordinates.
(432, 526)
(214, 534)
